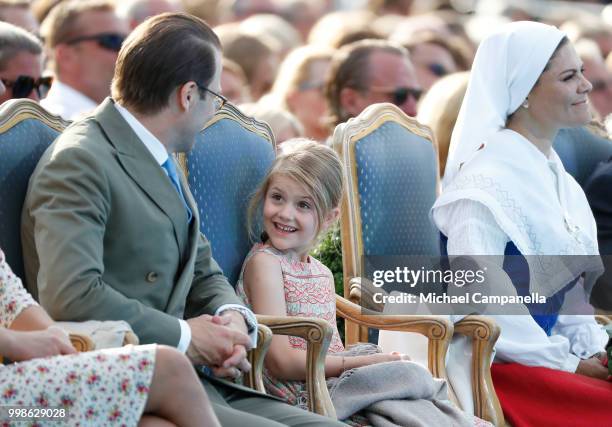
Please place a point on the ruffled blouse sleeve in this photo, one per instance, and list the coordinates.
(13, 296)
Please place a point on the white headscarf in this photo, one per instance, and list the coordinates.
(506, 67)
(540, 214)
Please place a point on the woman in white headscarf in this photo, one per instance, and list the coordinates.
(506, 193)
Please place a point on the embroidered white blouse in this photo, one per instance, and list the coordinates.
(474, 231)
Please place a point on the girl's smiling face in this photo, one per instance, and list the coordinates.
(290, 216)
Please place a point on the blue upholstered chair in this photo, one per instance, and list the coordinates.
(392, 182)
(26, 130)
(390, 189)
(230, 158)
(581, 149)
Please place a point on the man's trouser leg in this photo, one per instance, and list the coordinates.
(236, 408)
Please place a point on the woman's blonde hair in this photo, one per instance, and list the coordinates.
(314, 166)
(439, 110)
(295, 69)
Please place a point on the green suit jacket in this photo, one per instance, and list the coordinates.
(105, 235)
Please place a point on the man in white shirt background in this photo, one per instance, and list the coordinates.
(82, 38)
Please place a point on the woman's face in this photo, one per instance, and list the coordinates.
(560, 98)
(308, 102)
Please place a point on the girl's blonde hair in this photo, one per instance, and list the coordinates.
(314, 166)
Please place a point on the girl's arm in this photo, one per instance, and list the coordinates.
(263, 283)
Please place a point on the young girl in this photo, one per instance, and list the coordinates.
(297, 202)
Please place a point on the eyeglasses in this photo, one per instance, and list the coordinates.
(23, 86)
(437, 70)
(110, 41)
(220, 100)
(399, 95)
(318, 86)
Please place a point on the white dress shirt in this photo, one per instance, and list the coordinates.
(159, 152)
(67, 102)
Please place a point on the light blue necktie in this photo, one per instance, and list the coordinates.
(170, 169)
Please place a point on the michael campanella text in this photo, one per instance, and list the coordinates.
(466, 298)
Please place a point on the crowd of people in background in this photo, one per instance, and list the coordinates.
(303, 67)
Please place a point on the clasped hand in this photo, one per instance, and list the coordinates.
(221, 343)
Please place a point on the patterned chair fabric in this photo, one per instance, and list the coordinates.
(397, 175)
(392, 168)
(393, 181)
(229, 160)
(26, 130)
(581, 150)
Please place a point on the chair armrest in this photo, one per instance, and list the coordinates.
(317, 333)
(484, 333)
(438, 329)
(361, 292)
(254, 379)
(82, 342)
(130, 338)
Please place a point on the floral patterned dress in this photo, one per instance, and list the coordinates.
(99, 388)
(309, 292)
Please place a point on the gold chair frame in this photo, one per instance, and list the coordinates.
(483, 331)
(14, 111)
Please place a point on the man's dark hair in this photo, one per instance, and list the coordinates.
(162, 53)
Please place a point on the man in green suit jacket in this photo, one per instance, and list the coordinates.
(111, 231)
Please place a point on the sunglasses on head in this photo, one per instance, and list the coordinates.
(110, 41)
(23, 86)
(399, 95)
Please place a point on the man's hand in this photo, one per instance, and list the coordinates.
(234, 320)
(236, 364)
(213, 341)
(19, 346)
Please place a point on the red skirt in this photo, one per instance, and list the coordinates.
(541, 397)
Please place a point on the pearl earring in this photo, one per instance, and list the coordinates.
(525, 104)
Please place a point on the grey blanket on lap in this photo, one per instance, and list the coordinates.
(400, 393)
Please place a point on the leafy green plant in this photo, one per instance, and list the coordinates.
(329, 252)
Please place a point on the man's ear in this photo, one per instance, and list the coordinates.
(349, 100)
(187, 95)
